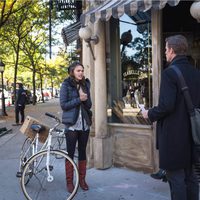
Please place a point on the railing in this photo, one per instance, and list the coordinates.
(65, 4)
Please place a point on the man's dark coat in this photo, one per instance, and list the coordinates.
(173, 126)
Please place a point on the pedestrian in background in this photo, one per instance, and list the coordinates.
(76, 103)
(21, 98)
(174, 135)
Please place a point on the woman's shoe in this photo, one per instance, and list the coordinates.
(82, 174)
(160, 175)
(69, 176)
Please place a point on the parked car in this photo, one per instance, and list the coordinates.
(38, 95)
(7, 97)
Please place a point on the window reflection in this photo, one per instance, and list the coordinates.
(136, 73)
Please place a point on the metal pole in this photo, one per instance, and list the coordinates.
(149, 67)
(3, 109)
(50, 8)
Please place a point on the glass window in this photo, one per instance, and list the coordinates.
(135, 90)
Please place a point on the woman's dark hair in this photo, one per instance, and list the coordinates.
(73, 66)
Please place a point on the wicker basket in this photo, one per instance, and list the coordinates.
(26, 130)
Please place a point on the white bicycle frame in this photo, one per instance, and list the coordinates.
(47, 146)
(33, 146)
(49, 177)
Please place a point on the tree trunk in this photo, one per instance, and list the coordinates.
(34, 95)
(41, 87)
(16, 69)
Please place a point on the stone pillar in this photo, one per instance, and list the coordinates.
(156, 28)
(156, 52)
(88, 64)
(102, 141)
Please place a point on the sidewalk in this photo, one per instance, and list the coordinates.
(110, 184)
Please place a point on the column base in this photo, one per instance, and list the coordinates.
(102, 152)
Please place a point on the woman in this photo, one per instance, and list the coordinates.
(75, 102)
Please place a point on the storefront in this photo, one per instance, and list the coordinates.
(124, 64)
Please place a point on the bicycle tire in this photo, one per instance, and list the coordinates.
(39, 188)
(26, 153)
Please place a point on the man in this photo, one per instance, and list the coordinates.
(20, 104)
(174, 137)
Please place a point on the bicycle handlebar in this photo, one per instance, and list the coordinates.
(52, 116)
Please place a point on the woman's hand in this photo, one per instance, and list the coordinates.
(83, 96)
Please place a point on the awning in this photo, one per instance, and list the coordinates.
(142, 19)
(116, 8)
(70, 33)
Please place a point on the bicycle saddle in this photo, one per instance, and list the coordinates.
(37, 128)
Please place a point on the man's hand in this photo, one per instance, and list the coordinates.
(144, 113)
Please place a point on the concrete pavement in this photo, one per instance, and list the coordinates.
(110, 184)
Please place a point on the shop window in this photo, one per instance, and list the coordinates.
(183, 24)
(135, 71)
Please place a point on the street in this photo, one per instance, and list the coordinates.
(110, 184)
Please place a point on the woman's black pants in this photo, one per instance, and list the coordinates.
(72, 137)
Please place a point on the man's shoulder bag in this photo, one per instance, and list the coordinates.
(194, 116)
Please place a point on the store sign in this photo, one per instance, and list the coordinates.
(131, 72)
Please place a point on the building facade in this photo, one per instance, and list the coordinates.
(124, 64)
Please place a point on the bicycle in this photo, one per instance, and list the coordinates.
(32, 145)
(29, 148)
(43, 174)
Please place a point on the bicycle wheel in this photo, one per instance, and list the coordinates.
(26, 153)
(41, 186)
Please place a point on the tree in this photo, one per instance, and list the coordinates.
(142, 49)
(21, 24)
(7, 8)
(22, 45)
(33, 47)
(143, 55)
(57, 68)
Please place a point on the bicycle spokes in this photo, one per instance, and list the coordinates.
(47, 180)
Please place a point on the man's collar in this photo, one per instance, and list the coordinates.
(178, 57)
